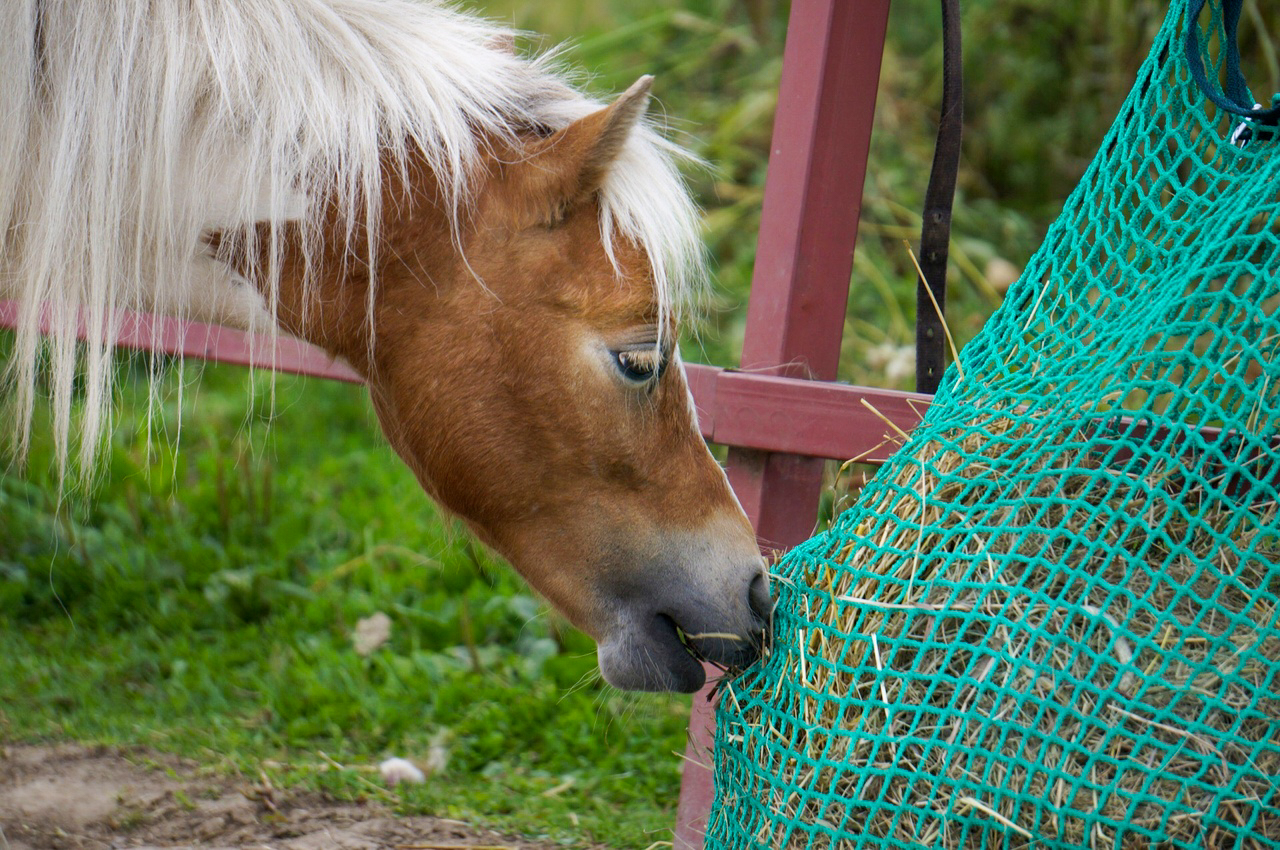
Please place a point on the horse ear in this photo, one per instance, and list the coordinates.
(571, 164)
(607, 131)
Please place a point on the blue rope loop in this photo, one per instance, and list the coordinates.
(1235, 98)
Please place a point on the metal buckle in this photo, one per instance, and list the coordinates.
(1243, 133)
(1248, 130)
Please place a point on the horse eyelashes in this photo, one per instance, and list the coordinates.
(640, 365)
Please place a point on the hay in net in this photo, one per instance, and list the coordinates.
(1049, 666)
(1051, 619)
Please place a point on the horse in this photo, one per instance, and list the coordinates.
(502, 259)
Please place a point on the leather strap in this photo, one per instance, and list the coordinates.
(935, 233)
(1235, 97)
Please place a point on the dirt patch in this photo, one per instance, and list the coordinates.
(78, 798)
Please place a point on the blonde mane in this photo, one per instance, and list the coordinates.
(132, 127)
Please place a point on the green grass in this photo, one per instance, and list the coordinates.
(203, 602)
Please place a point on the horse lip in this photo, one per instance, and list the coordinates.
(723, 649)
(650, 659)
(661, 644)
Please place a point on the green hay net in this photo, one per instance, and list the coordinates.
(1051, 619)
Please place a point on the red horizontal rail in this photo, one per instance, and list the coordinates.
(801, 417)
(147, 332)
(743, 409)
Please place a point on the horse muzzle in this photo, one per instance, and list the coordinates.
(661, 648)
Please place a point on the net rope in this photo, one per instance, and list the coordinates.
(1051, 618)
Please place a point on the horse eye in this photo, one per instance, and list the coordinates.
(640, 366)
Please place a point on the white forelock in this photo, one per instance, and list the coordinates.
(131, 127)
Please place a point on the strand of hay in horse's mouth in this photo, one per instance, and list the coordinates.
(1065, 660)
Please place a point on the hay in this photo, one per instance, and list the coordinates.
(1108, 685)
(1050, 620)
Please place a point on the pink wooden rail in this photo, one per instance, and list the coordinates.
(146, 332)
(781, 415)
(752, 411)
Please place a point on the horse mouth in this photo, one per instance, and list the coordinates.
(664, 657)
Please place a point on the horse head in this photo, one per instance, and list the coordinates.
(522, 362)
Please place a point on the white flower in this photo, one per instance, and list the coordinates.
(371, 632)
(397, 770)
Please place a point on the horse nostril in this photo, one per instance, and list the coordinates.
(759, 600)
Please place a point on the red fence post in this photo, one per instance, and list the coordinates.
(800, 285)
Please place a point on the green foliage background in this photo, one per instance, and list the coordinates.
(203, 600)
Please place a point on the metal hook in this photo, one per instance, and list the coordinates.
(1248, 130)
(1243, 133)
